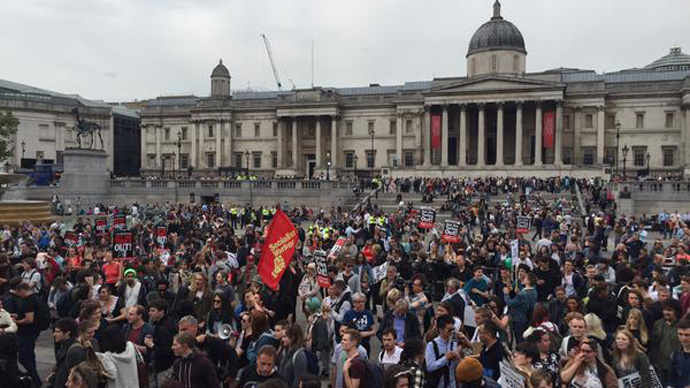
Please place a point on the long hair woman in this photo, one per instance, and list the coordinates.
(201, 296)
(586, 369)
(629, 358)
(636, 325)
(294, 363)
(220, 314)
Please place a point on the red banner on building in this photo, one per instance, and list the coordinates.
(549, 128)
(277, 250)
(436, 132)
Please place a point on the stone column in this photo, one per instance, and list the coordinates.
(318, 142)
(499, 134)
(398, 139)
(202, 149)
(426, 137)
(577, 132)
(558, 146)
(518, 133)
(279, 143)
(444, 137)
(144, 151)
(601, 117)
(159, 130)
(228, 144)
(538, 160)
(219, 136)
(418, 118)
(481, 146)
(294, 142)
(334, 144)
(193, 146)
(462, 142)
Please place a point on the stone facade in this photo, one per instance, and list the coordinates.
(491, 120)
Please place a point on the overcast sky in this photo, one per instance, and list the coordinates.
(120, 50)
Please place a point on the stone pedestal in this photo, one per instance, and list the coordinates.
(85, 180)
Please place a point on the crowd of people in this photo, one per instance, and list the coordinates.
(396, 304)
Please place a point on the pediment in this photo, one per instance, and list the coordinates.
(486, 84)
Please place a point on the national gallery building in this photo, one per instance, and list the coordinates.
(499, 119)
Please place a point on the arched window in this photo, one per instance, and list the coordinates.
(494, 63)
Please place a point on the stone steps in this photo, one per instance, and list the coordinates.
(15, 212)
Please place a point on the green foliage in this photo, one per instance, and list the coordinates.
(8, 127)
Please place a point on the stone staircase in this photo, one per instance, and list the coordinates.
(15, 212)
(386, 202)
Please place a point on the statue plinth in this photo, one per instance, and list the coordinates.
(85, 177)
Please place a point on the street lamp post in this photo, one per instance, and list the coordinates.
(372, 133)
(246, 158)
(618, 140)
(625, 159)
(649, 172)
(354, 159)
(162, 165)
(179, 150)
(23, 148)
(174, 157)
(328, 166)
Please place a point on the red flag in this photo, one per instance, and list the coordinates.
(277, 250)
(436, 132)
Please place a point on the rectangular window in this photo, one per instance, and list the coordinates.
(589, 121)
(238, 160)
(257, 129)
(348, 128)
(40, 155)
(669, 120)
(566, 122)
(210, 132)
(408, 126)
(392, 159)
(274, 159)
(211, 159)
(639, 154)
(392, 128)
(256, 157)
(669, 154)
(639, 120)
(567, 155)
(238, 130)
(275, 129)
(610, 156)
(311, 131)
(151, 160)
(184, 133)
(184, 161)
(371, 159)
(588, 155)
(409, 158)
(370, 127)
(349, 159)
(610, 121)
(166, 134)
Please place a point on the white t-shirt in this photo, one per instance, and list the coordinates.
(387, 360)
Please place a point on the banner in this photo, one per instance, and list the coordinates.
(510, 377)
(379, 272)
(634, 380)
(322, 269)
(71, 239)
(161, 235)
(548, 133)
(335, 249)
(427, 218)
(120, 222)
(436, 132)
(101, 226)
(277, 250)
(515, 250)
(522, 224)
(123, 245)
(451, 231)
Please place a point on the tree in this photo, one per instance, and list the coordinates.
(8, 127)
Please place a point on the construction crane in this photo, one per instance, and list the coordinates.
(273, 62)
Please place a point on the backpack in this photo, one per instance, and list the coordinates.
(434, 377)
(374, 375)
(95, 363)
(42, 314)
(312, 361)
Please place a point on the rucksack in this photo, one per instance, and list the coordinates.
(42, 314)
(312, 361)
(374, 375)
(434, 377)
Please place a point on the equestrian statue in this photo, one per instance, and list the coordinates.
(84, 128)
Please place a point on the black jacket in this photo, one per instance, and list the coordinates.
(163, 355)
(411, 325)
(195, 371)
(61, 363)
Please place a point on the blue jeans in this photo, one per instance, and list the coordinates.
(27, 354)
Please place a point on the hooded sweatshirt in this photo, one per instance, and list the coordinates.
(125, 365)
